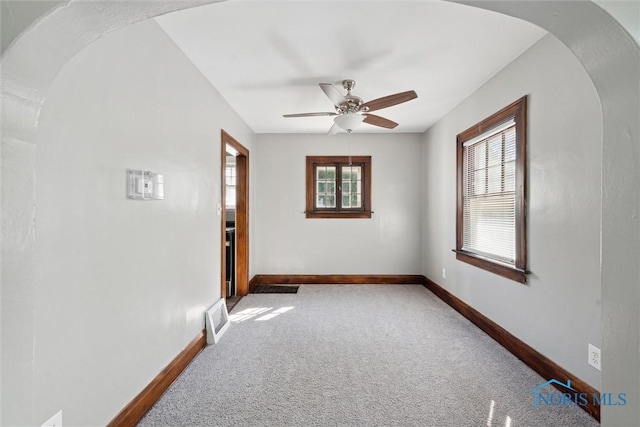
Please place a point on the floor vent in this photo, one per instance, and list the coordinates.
(275, 289)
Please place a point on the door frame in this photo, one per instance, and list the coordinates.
(242, 215)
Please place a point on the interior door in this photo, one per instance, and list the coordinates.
(241, 220)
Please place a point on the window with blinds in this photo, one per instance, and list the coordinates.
(491, 193)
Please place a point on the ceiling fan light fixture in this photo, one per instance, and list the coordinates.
(348, 121)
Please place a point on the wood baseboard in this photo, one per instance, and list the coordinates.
(140, 405)
(337, 279)
(535, 360)
(252, 283)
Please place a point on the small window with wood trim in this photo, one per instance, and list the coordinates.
(338, 187)
(491, 217)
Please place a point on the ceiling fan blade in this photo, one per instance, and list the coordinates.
(333, 94)
(309, 114)
(334, 129)
(372, 119)
(388, 101)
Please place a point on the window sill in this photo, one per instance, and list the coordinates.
(320, 214)
(510, 273)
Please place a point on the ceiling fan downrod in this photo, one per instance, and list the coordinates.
(348, 85)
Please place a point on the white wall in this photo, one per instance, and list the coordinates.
(117, 288)
(626, 12)
(16, 16)
(558, 311)
(387, 243)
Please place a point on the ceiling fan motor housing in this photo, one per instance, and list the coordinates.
(353, 103)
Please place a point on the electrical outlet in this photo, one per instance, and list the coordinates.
(55, 421)
(444, 273)
(594, 356)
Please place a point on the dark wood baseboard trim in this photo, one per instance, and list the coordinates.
(140, 405)
(535, 360)
(337, 279)
(252, 283)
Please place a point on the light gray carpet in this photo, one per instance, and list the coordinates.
(355, 356)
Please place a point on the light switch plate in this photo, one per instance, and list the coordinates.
(145, 185)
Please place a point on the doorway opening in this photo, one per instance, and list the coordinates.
(235, 219)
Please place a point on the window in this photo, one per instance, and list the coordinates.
(491, 207)
(338, 187)
(230, 182)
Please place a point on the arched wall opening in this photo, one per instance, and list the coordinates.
(33, 61)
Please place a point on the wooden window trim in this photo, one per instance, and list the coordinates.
(518, 273)
(313, 161)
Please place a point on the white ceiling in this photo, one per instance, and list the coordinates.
(266, 58)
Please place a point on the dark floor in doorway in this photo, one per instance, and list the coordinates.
(232, 301)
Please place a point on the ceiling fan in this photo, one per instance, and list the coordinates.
(351, 110)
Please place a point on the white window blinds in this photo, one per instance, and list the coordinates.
(489, 205)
